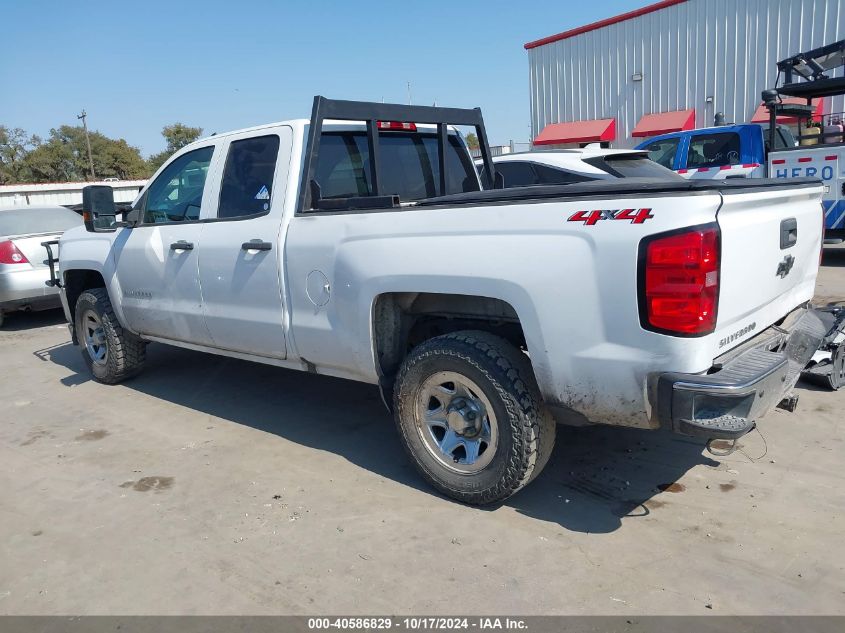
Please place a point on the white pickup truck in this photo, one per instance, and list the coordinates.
(361, 244)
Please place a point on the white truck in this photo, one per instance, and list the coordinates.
(361, 244)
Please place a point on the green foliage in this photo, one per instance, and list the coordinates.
(63, 157)
(14, 147)
(472, 141)
(176, 136)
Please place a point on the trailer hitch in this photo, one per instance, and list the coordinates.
(721, 448)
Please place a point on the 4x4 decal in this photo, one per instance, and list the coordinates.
(589, 218)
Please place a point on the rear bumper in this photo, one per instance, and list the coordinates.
(726, 403)
(26, 287)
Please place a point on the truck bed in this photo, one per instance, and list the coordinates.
(621, 187)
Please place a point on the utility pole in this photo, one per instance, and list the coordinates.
(87, 142)
(409, 93)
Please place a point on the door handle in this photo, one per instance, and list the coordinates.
(256, 245)
(182, 245)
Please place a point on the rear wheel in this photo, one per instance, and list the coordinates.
(470, 416)
(111, 353)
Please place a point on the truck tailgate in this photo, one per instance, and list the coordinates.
(771, 241)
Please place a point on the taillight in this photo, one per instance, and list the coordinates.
(396, 126)
(679, 282)
(9, 254)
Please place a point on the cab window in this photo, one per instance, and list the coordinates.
(176, 195)
(408, 163)
(663, 151)
(713, 150)
(247, 185)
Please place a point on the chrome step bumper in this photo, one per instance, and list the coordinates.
(726, 403)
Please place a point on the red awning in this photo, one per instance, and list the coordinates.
(665, 122)
(577, 132)
(761, 115)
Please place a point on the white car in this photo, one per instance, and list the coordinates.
(567, 166)
(369, 251)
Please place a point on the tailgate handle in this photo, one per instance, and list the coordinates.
(788, 233)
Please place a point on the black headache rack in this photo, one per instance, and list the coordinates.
(310, 198)
(807, 76)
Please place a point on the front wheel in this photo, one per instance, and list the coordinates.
(470, 416)
(111, 353)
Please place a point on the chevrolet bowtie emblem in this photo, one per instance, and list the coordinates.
(785, 266)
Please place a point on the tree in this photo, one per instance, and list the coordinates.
(472, 141)
(176, 136)
(14, 146)
(64, 157)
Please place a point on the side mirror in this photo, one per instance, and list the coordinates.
(98, 209)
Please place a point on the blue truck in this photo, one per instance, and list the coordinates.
(743, 151)
(750, 150)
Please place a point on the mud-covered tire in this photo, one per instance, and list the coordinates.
(526, 430)
(125, 352)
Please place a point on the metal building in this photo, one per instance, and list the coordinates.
(671, 66)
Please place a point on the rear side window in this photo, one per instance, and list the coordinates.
(37, 220)
(783, 137)
(517, 174)
(524, 174)
(247, 185)
(713, 150)
(551, 176)
(408, 163)
(632, 166)
(663, 151)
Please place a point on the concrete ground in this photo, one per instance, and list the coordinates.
(216, 486)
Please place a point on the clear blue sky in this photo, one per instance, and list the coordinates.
(137, 66)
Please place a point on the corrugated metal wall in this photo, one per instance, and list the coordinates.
(724, 49)
(63, 193)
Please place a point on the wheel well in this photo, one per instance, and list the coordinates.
(403, 320)
(78, 281)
